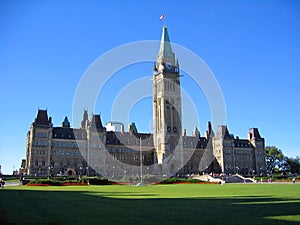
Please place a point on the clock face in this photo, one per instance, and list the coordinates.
(169, 65)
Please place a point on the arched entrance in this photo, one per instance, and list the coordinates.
(71, 172)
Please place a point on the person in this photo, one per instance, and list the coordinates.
(294, 180)
(2, 182)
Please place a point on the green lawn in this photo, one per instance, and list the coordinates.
(154, 204)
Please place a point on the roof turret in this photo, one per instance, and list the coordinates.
(66, 123)
(42, 118)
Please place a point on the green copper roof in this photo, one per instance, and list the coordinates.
(165, 49)
(66, 122)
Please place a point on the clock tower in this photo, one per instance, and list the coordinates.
(166, 101)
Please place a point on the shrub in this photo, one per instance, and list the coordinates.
(46, 181)
(172, 180)
(150, 178)
(194, 181)
(95, 181)
(175, 180)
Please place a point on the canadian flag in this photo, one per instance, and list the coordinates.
(162, 17)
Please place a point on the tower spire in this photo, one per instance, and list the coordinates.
(165, 53)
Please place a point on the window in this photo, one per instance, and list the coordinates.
(69, 145)
(61, 144)
(95, 137)
(44, 143)
(169, 129)
(53, 144)
(76, 153)
(38, 143)
(61, 152)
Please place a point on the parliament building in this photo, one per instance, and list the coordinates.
(93, 149)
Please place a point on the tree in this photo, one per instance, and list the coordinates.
(294, 164)
(274, 159)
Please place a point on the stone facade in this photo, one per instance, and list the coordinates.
(85, 150)
(235, 155)
(92, 150)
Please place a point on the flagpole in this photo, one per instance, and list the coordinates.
(141, 164)
(141, 160)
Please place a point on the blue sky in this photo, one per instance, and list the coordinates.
(252, 47)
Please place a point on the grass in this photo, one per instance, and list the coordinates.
(154, 204)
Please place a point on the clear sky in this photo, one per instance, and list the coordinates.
(252, 47)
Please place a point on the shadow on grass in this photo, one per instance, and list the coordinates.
(80, 207)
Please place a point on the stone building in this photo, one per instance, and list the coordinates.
(235, 155)
(83, 151)
(93, 150)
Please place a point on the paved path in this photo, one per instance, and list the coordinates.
(11, 183)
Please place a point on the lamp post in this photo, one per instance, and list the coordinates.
(80, 170)
(87, 171)
(113, 172)
(49, 172)
(237, 169)
(261, 171)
